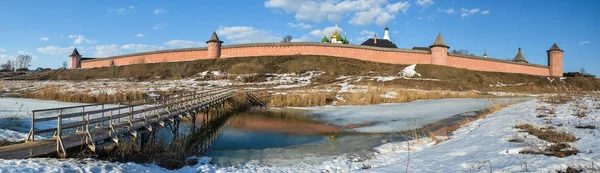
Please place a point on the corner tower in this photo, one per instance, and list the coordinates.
(214, 46)
(555, 56)
(439, 51)
(75, 59)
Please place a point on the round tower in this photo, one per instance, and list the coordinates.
(439, 51)
(75, 59)
(214, 46)
(555, 55)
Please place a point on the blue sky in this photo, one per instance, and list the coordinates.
(49, 30)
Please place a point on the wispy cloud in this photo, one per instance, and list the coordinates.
(158, 11)
(485, 12)
(425, 3)
(139, 35)
(299, 25)
(469, 12)
(79, 39)
(121, 10)
(44, 39)
(449, 10)
(158, 26)
(585, 42)
(2, 50)
(247, 34)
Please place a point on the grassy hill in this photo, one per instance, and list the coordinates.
(451, 78)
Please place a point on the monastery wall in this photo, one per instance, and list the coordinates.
(366, 53)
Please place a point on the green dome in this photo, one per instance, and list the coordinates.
(340, 39)
(325, 40)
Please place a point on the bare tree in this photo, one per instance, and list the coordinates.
(8, 66)
(460, 52)
(22, 62)
(287, 39)
(64, 65)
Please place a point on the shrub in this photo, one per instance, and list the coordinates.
(547, 134)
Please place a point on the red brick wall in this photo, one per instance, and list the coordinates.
(355, 52)
(495, 66)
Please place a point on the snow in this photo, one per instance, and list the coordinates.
(398, 116)
(409, 71)
(475, 147)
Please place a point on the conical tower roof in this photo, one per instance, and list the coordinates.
(75, 52)
(439, 42)
(554, 47)
(519, 57)
(214, 38)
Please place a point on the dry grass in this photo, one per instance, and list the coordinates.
(547, 134)
(586, 127)
(558, 99)
(558, 150)
(301, 99)
(54, 93)
(376, 95)
(451, 78)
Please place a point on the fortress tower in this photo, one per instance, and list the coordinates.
(75, 59)
(555, 55)
(439, 51)
(214, 46)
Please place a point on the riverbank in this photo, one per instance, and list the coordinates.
(477, 146)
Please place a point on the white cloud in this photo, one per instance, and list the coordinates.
(107, 50)
(363, 12)
(299, 25)
(22, 52)
(139, 35)
(158, 11)
(4, 58)
(81, 39)
(184, 43)
(318, 33)
(469, 12)
(2, 50)
(485, 12)
(365, 35)
(57, 51)
(304, 38)
(246, 34)
(158, 26)
(425, 3)
(122, 9)
(449, 10)
(44, 39)
(141, 47)
(585, 42)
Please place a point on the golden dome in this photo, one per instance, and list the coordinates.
(335, 34)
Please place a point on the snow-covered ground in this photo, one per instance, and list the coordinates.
(476, 147)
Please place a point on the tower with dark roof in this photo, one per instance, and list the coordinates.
(439, 51)
(555, 59)
(75, 59)
(485, 54)
(520, 58)
(386, 34)
(214, 46)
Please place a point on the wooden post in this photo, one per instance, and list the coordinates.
(60, 148)
(31, 134)
(102, 115)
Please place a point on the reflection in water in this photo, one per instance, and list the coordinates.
(276, 137)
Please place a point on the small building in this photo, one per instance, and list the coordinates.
(385, 42)
(520, 58)
(335, 38)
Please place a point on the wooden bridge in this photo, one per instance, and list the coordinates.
(99, 124)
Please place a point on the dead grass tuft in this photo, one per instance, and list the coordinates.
(558, 150)
(301, 99)
(516, 140)
(547, 134)
(586, 127)
(558, 99)
(54, 93)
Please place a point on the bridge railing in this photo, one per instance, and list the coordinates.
(59, 120)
